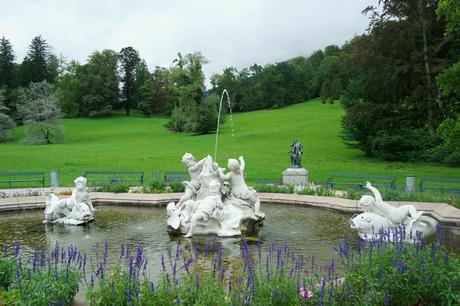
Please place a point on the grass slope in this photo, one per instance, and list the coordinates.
(262, 137)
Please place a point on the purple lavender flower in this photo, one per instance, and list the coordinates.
(197, 281)
(163, 263)
(122, 249)
(387, 299)
(17, 248)
(402, 267)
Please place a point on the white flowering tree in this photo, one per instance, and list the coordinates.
(5, 121)
(39, 110)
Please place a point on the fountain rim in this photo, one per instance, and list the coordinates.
(443, 213)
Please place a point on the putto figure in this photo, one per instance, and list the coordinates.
(76, 210)
(296, 154)
(214, 202)
(380, 218)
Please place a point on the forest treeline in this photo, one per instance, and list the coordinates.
(399, 83)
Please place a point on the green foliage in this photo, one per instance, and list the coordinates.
(39, 110)
(5, 121)
(138, 143)
(449, 80)
(207, 113)
(393, 106)
(129, 60)
(99, 84)
(403, 274)
(405, 144)
(70, 85)
(402, 196)
(321, 191)
(54, 286)
(178, 120)
(39, 279)
(159, 186)
(274, 188)
(36, 65)
(154, 94)
(376, 273)
(7, 68)
(449, 132)
(7, 273)
(187, 92)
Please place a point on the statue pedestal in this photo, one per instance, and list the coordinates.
(295, 176)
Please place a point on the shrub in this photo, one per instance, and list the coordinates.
(384, 273)
(7, 273)
(376, 273)
(40, 279)
(402, 145)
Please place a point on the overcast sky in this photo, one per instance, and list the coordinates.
(228, 32)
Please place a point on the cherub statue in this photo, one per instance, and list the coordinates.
(194, 169)
(395, 215)
(238, 187)
(209, 207)
(78, 207)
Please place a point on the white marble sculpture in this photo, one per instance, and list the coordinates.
(75, 210)
(214, 202)
(380, 217)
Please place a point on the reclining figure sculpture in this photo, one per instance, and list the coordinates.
(75, 210)
(397, 223)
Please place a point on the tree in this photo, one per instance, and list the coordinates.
(99, 84)
(207, 113)
(129, 59)
(155, 93)
(5, 121)
(141, 75)
(7, 68)
(39, 110)
(449, 79)
(69, 83)
(394, 97)
(187, 90)
(35, 67)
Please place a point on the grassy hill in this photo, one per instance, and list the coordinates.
(262, 137)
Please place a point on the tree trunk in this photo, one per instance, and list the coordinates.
(429, 92)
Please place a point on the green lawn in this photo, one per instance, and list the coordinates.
(262, 137)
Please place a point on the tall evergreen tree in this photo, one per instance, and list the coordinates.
(36, 64)
(129, 59)
(7, 68)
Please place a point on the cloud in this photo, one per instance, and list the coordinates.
(228, 32)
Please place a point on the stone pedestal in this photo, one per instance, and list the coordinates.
(295, 176)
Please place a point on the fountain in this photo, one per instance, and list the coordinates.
(214, 202)
(224, 92)
(75, 210)
(394, 223)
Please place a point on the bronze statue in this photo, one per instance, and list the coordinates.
(296, 154)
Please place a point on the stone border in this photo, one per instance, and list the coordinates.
(444, 213)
